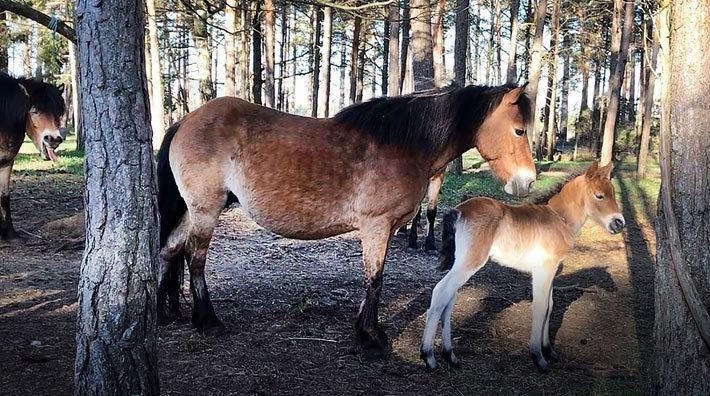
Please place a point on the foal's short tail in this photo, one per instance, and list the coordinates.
(172, 208)
(448, 240)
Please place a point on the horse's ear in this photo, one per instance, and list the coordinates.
(592, 170)
(514, 94)
(60, 87)
(605, 171)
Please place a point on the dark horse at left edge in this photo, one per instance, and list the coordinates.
(365, 169)
(31, 107)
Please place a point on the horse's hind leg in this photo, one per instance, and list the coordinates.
(432, 201)
(7, 230)
(172, 261)
(375, 239)
(414, 229)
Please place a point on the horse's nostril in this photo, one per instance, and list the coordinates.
(59, 139)
(530, 185)
(46, 138)
(618, 223)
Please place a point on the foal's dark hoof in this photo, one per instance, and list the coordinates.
(540, 362)
(550, 355)
(428, 358)
(451, 358)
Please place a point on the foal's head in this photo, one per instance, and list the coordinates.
(600, 200)
(44, 119)
(503, 142)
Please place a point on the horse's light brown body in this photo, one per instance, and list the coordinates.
(310, 178)
(530, 238)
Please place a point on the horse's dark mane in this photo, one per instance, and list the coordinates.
(45, 97)
(427, 121)
(544, 196)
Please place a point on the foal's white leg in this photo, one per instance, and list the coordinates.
(547, 351)
(542, 283)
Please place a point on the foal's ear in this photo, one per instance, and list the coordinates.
(605, 171)
(514, 94)
(592, 170)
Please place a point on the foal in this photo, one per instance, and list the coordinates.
(530, 238)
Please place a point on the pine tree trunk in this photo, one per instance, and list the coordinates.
(681, 329)
(497, 41)
(357, 35)
(4, 42)
(269, 49)
(201, 37)
(256, 52)
(615, 82)
(230, 47)
(438, 42)
(157, 107)
(564, 92)
(281, 90)
(584, 103)
(243, 73)
(422, 56)
(80, 138)
(316, 45)
(460, 54)
(646, 104)
(405, 59)
(343, 67)
(511, 75)
(394, 79)
(324, 96)
(116, 349)
(362, 51)
(385, 56)
(536, 68)
(551, 100)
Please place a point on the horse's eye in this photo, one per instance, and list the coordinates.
(520, 132)
(599, 196)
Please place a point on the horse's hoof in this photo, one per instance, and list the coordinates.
(209, 326)
(413, 246)
(428, 358)
(214, 330)
(550, 355)
(374, 341)
(540, 362)
(451, 358)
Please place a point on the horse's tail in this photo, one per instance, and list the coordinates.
(171, 207)
(448, 240)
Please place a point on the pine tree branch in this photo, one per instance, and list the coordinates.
(39, 17)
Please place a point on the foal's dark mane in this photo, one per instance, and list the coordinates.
(427, 121)
(19, 95)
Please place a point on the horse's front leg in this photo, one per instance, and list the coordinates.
(7, 231)
(375, 239)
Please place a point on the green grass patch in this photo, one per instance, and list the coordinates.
(71, 160)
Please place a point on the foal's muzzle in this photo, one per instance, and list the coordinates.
(616, 224)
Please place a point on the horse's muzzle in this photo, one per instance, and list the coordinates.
(520, 185)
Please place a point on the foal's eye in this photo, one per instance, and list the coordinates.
(520, 132)
(599, 196)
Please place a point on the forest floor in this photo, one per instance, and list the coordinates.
(289, 307)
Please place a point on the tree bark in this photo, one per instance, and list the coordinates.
(116, 326)
(281, 82)
(343, 67)
(157, 107)
(324, 96)
(230, 47)
(256, 53)
(438, 42)
(682, 284)
(422, 56)
(536, 67)
(357, 27)
(615, 81)
(405, 63)
(269, 49)
(460, 54)
(564, 92)
(316, 45)
(243, 74)
(4, 41)
(649, 79)
(511, 75)
(394, 79)
(362, 51)
(551, 106)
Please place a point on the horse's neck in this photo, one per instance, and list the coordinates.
(569, 204)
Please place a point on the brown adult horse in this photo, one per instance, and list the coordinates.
(432, 201)
(529, 238)
(29, 107)
(365, 169)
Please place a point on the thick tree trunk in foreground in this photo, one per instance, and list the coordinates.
(616, 78)
(116, 326)
(422, 56)
(682, 285)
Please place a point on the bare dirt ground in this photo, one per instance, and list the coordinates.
(289, 308)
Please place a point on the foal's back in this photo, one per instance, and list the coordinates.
(520, 236)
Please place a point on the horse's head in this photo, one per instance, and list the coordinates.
(600, 200)
(502, 141)
(45, 118)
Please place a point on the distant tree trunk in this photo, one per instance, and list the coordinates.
(315, 77)
(422, 57)
(404, 60)
(438, 42)
(281, 90)
(157, 108)
(631, 80)
(564, 93)
(362, 51)
(646, 101)
(489, 49)
(511, 75)
(269, 48)
(116, 351)
(243, 73)
(357, 27)
(230, 47)
(324, 96)
(536, 67)
(394, 79)
(201, 37)
(294, 53)
(497, 41)
(256, 52)
(4, 42)
(551, 107)
(584, 103)
(385, 56)
(615, 81)
(460, 55)
(343, 66)
(682, 285)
